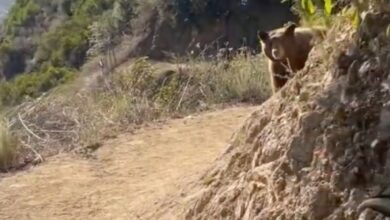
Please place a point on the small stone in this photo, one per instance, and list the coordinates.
(374, 143)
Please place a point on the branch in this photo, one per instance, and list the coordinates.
(27, 129)
(39, 157)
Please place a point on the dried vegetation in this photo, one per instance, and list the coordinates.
(70, 119)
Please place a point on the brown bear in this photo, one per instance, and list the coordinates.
(287, 50)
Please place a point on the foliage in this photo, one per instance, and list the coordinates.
(315, 12)
(138, 80)
(21, 14)
(168, 94)
(64, 47)
(45, 39)
(186, 87)
(108, 30)
(56, 32)
(33, 84)
(321, 12)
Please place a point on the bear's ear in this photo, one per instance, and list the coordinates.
(264, 36)
(290, 29)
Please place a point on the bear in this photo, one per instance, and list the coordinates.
(287, 50)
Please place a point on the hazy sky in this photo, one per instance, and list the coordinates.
(4, 6)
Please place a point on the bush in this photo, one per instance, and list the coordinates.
(42, 32)
(129, 98)
(186, 88)
(327, 12)
(66, 46)
(137, 80)
(32, 85)
(21, 14)
(245, 80)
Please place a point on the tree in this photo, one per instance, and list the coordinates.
(107, 32)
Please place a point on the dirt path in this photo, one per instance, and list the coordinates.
(142, 176)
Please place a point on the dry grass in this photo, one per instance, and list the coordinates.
(67, 119)
(245, 80)
(193, 85)
(8, 146)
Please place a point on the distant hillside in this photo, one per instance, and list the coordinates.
(56, 33)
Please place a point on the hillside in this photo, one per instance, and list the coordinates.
(129, 110)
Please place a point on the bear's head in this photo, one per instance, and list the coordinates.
(276, 43)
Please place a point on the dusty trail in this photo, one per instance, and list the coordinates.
(146, 175)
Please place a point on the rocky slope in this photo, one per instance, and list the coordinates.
(317, 148)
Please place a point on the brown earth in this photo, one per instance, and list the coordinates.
(146, 175)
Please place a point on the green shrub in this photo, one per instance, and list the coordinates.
(66, 46)
(169, 92)
(137, 80)
(21, 14)
(56, 32)
(314, 12)
(33, 84)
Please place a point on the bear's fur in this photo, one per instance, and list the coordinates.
(287, 50)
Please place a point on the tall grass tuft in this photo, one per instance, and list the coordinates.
(8, 146)
(245, 80)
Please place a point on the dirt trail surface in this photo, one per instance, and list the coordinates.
(146, 175)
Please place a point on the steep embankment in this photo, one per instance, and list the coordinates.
(317, 148)
(147, 175)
